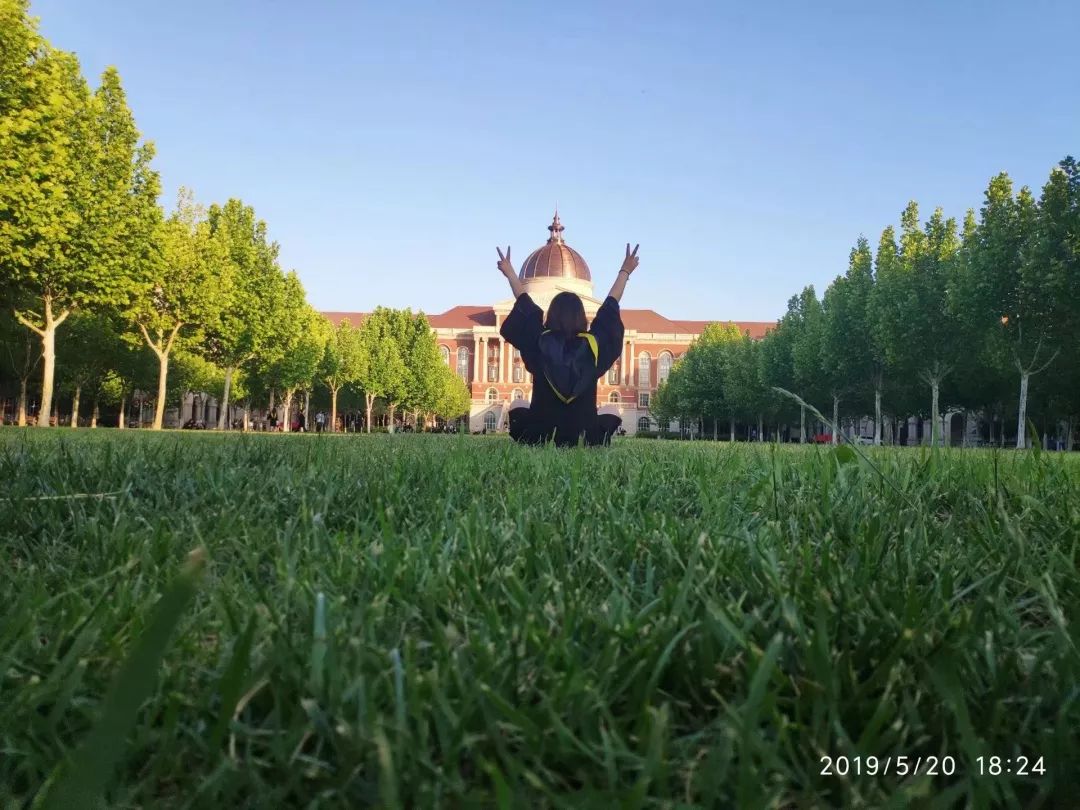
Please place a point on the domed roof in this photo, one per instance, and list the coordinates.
(556, 259)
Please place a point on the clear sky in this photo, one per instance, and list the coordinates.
(391, 146)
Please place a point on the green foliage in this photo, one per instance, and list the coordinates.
(382, 371)
(452, 397)
(342, 360)
(693, 622)
(182, 286)
(253, 286)
(299, 339)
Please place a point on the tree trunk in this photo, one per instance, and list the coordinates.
(760, 428)
(390, 424)
(369, 401)
(286, 420)
(333, 410)
(48, 355)
(94, 413)
(247, 417)
(307, 408)
(1069, 434)
(715, 430)
(75, 406)
(1021, 417)
(162, 379)
(21, 419)
(731, 429)
(224, 405)
(877, 416)
(120, 420)
(935, 416)
(802, 424)
(992, 420)
(835, 419)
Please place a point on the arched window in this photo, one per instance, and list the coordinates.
(643, 423)
(489, 421)
(663, 367)
(492, 395)
(644, 372)
(445, 352)
(517, 394)
(613, 397)
(463, 363)
(613, 373)
(519, 369)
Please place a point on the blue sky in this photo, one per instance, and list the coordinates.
(391, 146)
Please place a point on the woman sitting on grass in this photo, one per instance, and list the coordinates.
(565, 361)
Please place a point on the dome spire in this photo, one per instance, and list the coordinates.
(556, 228)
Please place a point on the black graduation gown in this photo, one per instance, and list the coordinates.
(548, 417)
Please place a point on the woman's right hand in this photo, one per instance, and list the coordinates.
(629, 264)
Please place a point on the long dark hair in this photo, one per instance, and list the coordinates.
(566, 315)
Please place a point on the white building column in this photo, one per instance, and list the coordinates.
(633, 364)
(504, 366)
(478, 351)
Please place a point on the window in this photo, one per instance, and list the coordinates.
(613, 374)
(519, 373)
(463, 363)
(643, 399)
(517, 394)
(493, 372)
(663, 367)
(644, 370)
(613, 397)
(489, 421)
(445, 352)
(492, 395)
(643, 423)
(517, 355)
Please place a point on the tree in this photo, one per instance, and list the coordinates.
(87, 346)
(251, 283)
(777, 365)
(808, 322)
(454, 399)
(420, 354)
(341, 363)
(382, 369)
(182, 288)
(1032, 248)
(189, 373)
(78, 192)
(848, 360)
(299, 343)
(20, 358)
(918, 322)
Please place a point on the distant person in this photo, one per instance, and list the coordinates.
(301, 422)
(320, 422)
(570, 356)
(271, 418)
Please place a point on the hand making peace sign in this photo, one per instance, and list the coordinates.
(630, 263)
(504, 262)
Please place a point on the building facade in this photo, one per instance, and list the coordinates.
(470, 343)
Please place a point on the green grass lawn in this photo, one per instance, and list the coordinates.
(423, 621)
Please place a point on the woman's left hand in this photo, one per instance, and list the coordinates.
(504, 262)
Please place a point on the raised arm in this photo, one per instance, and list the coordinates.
(629, 264)
(508, 271)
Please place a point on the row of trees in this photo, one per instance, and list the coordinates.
(984, 317)
(98, 283)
